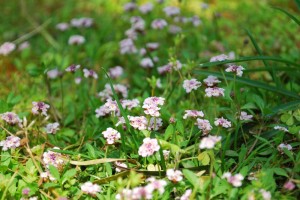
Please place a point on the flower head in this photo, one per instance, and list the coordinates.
(209, 142)
(222, 122)
(90, 73)
(211, 81)
(190, 85)
(235, 180)
(90, 188)
(111, 135)
(127, 46)
(146, 8)
(149, 147)
(171, 11)
(186, 195)
(11, 118)
(11, 142)
(235, 69)
(53, 158)
(151, 105)
(245, 117)
(193, 114)
(62, 26)
(72, 68)
(6, 48)
(138, 122)
(214, 92)
(159, 24)
(116, 72)
(40, 108)
(204, 125)
(52, 128)
(174, 175)
(221, 57)
(76, 40)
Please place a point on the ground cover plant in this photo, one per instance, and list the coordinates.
(150, 99)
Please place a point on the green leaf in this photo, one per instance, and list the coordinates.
(204, 158)
(4, 106)
(280, 172)
(231, 153)
(191, 177)
(289, 14)
(68, 175)
(91, 150)
(179, 126)
(169, 132)
(54, 172)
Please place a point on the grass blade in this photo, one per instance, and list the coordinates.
(289, 14)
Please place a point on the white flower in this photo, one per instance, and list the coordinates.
(147, 63)
(149, 147)
(174, 175)
(211, 81)
(214, 92)
(159, 24)
(90, 73)
(53, 158)
(245, 117)
(111, 135)
(282, 146)
(90, 188)
(193, 114)
(52, 128)
(266, 195)
(11, 142)
(190, 85)
(236, 69)
(209, 142)
(53, 73)
(221, 57)
(235, 180)
(76, 40)
(186, 195)
(116, 72)
(62, 26)
(6, 48)
(222, 122)
(204, 125)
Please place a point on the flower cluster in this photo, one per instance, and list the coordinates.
(186, 195)
(127, 46)
(222, 122)
(245, 117)
(40, 108)
(209, 142)
(11, 142)
(89, 73)
(214, 92)
(235, 180)
(83, 22)
(72, 68)
(116, 72)
(204, 125)
(47, 176)
(108, 108)
(108, 94)
(149, 147)
(120, 164)
(193, 114)
(190, 85)
(6, 48)
(53, 158)
(211, 81)
(11, 118)
(151, 105)
(159, 24)
(174, 175)
(236, 69)
(76, 40)
(111, 135)
(52, 128)
(138, 122)
(90, 188)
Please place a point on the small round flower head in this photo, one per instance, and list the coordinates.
(138, 122)
(266, 195)
(53, 73)
(53, 158)
(186, 195)
(235, 180)
(124, 195)
(137, 24)
(190, 85)
(175, 65)
(23, 45)
(209, 142)
(196, 21)
(78, 80)
(235, 69)
(282, 146)
(141, 193)
(108, 108)
(82, 22)
(130, 104)
(155, 124)
(193, 114)
(149, 147)
(76, 40)
(127, 46)
(211, 81)
(146, 63)
(171, 11)
(222, 122)
(131, 34)
(174, 175)
(72, 68)
(47, 176)
(289, 185)
(130, 6)
(173, 29)
(63, 26)
(245, 117)
(159, 24)
(26, 191)
(90, 188)
(11, 118)
(155, 184)
(146, 8)
(116, 72)
(221, 57)
(151, 105)
(6, 48)
(164, 69)
(214, 92)
(11, 142)
(108, 94)
(204, 125)
(52, 128)
(152, 46)
(111, 135)
(88, 73)
(281, 128)
(120, 164)
(40, 108)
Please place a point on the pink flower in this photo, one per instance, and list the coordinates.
(76, 40)
(209, 142)
(222, 122)
(245, 117)
(221, 57)
(62, 26)
(11, 142)
(204, 125)
(139, 122)
(211, 81)
(130, 104)
(72, 68)
(141, 193)
(90, 73)
(151, 105)
(82, 22)
(111, 135)
(127, 46)
(11, 118)
(289, 185)
(39, 108)
(286, 146)
(173, 29)
(176, 65)
(155, 124)
(190, 85)
(53, 158)
(90, 188)
(152, 46)
(53, 73)
(186, 195)
(6, 48)
(266, 195)
(235, 180)
(149, 147)
(236, 69)
(171, 11)
(159, 24)
(52, 128)
(146, 8)
(116, 72)
(193, 114)
(174, 175)
(137, 24)
(108, 94)
(155, 184)
(120, 164)
(108, 108)
(147, 63)
(214, 92)
(24, 45)
(130, 6)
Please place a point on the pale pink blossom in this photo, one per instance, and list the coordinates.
(130, 104)
(235, 180)
(186, 195)
(235, 69)
(76, 40)
(138, 122)
(127, 46)
(11, 118)
(151, 106)
(6, 48)
(53, 158)
(289, 185)
(110, 107)
(151, 46)
(286, 146)
(40, 108)
(147, 63)
(211, 81)
(171, 11)
(52, 128)
(196, 21)
(214, 92)
(47, 176)
(174, 175)
(155, 124)
(146, 8)
(173, 29)
(82, 22)
(23, 45)
(141, 193)
(266, 195)
(125, 194)
(131, 34)
(130, 6)
(116, 72)
(63, 26)
(245, 117)
(108, 94)
(164, 69)
(11, 142)
(191, 84)
(176, 65)
(204, 125)
(159, 24)
(78, 80)
(209, 142)
(166, 154)
(53, 73)
(221, 57)
(193, 114)
(90, 188)
(72, 68)
(154, 184)
(137, 24)
(89, 73)
(111, 135)
(222, 122)
(149, 147)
